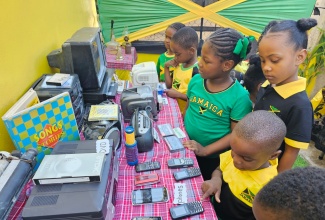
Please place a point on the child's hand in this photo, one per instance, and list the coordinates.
(171, 63)
(211, 187)
(172, 93)
(196, 147)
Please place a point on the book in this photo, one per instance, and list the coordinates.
(103, 112)
(70, 168)
(58, 79)
(40, 125)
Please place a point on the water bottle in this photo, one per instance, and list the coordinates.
(131, 149)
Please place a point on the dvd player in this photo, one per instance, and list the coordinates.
(92, 200)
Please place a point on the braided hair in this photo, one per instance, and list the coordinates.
(254, 74)
(297, 30)
(224, 41)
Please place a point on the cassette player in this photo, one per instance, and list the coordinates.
(143, 129)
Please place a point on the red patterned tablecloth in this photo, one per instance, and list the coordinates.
(124, 208)
(125, 64)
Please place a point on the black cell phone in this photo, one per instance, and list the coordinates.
(180, 162)
(186, 210)
(150, 195)
(187, 173)
(147, 166)
(147, 218)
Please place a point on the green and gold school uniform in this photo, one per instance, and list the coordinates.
(291, 104)
(240, 187)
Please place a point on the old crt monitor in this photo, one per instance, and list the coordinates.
(83, 54)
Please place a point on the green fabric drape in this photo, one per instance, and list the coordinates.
(252, 14)
(255, 14)
(135, 14)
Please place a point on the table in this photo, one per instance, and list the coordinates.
(124, 66)
(124, 208)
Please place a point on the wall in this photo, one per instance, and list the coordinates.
(29, 31)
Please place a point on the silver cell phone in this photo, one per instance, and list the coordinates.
(186, 210)
(187, 173)
(150, 195)
(180, 162)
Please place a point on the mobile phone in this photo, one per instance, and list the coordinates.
(186, 210)
(147, 218)
(147, 166)
(180, 162)
(174, 143)
(146, 179)
(150, 195)
(187, 173)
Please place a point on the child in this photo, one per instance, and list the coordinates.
(254, 77)
(184, 45)
(247, 167)
(296, 194)
(168, 55)
(282, 48)
(216, 101)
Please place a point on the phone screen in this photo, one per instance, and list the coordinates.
(182, 174)
(180, 210)
(151, 195)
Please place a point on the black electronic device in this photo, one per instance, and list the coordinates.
(187, 173)
(104, 129)
(186, 210)
(83, 54)
(107, 90)
(150, 195)
(180, 162)
(147, 166)
(141, 97)
(72, 86)
(63, 201)
(143, 129)
(147, 218)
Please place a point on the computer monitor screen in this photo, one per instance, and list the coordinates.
(83, 54)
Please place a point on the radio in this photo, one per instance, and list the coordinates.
(142, 122)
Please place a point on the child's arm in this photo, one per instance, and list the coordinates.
(168, 78)
(213, 186)
(219, 145)
(288, 158)
(173, 93)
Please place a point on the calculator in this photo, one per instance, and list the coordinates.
(187, 173)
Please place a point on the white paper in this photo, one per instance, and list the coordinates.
(102, 146)
(155, 135)
(180, 193)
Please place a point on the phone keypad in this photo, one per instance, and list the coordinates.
(146, 166)
(186, 161)
(194, 171)
(195, 207)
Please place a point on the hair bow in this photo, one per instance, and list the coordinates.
(242, 45)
